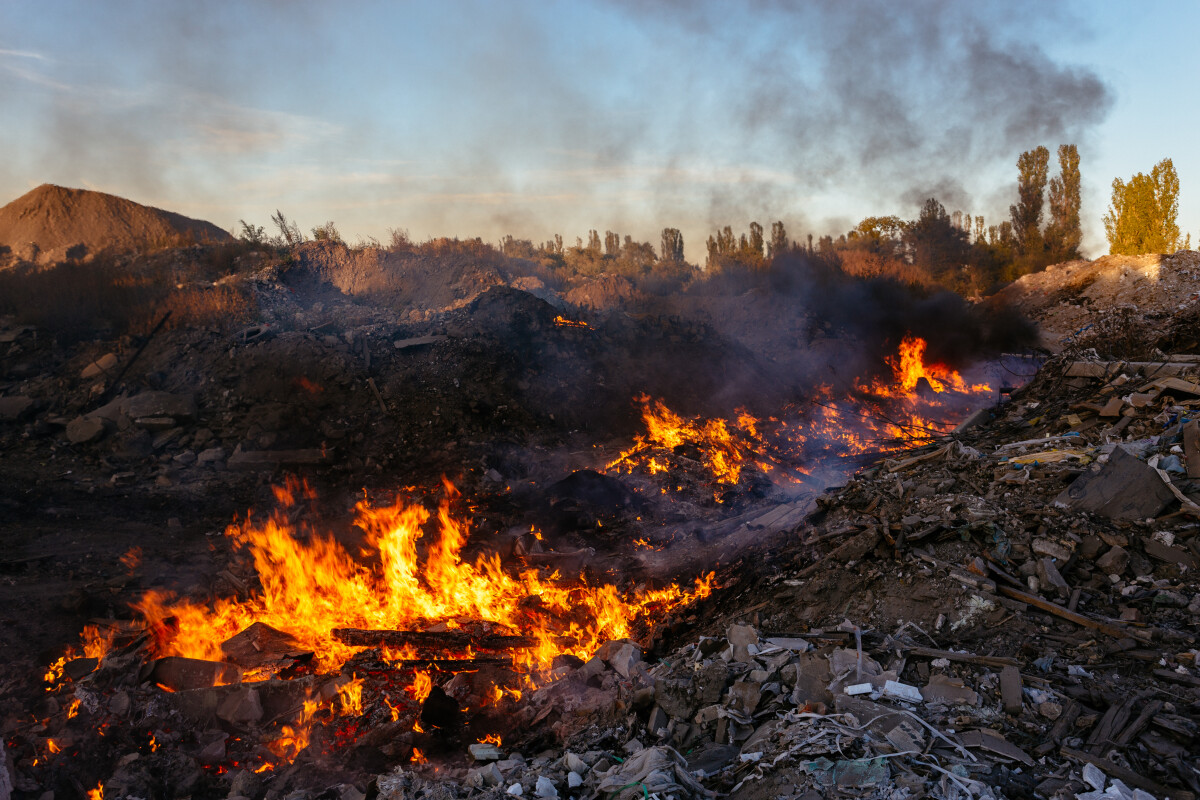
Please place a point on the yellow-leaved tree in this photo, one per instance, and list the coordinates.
(1142, 216)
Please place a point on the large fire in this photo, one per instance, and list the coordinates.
(311, 585)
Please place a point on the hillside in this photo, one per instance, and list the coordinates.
(52, 223)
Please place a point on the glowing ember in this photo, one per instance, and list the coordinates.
(97, 793)
(294, 738)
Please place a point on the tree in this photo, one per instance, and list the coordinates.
(593, 244)
(1064, 234)
(1142, 216)
(779, 243)
(612, 244)
(1027, 214)
(933, 241)
(252, 234)
(756, 239)
(672, 245)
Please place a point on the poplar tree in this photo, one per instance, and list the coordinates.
(1142, 217)
(1027, 214)
(672, 245)
(1064, 234)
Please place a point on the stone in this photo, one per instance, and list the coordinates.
(706, 715)
(241, 707)
(675, 696)
(1126, 488)
(624, 658)
(574, 780)
(104, 364)
(13, 408)
(83, 430)
(545, 787)
(901, 691)
(483, 751)
(742, 638)
(160, 404)
(710, 683)
(744, 696)
(1010, 690)
(212, 455)
(1094, 777)
(1114, 562)
(575, 763)
(515, 790)
(592, 667)
(252, 460)
(658, 721)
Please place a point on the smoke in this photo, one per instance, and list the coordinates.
(619, 115)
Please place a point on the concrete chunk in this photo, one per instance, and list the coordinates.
(1124, 488)
(13, 408)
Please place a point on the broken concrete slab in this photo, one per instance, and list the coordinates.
(744, 640)
(993, 742)
(949, 690)
(1010, 690)
(1125, 488)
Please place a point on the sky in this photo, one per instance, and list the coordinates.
(462, 118)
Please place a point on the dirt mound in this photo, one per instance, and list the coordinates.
(1068, 299)
(53, 223)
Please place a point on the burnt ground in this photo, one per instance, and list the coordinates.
(498, 396)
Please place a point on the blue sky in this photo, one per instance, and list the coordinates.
(535, 118)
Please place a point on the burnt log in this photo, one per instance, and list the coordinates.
(431, 640)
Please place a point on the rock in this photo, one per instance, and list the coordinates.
(1125, 488)
(574, 780)
(623, 657)
(545, 787)
(658, 721)
(744, 696)
(251, 460)
(482, 751)
(901, 691)
(160, 404)
(13, 408)
(575, 763)
(83, 430)
(1114, 562)
(710, 683)
(675, 696)
(1094, 777)
(515, 790)
(241, 708)
(742, 638)
(488, 775)
(104, 364)
(592, 667)
(212, 455)
(1010, 690)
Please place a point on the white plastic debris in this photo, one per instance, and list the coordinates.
(749, 758)
(901, 691)
(574, 779)
(515, 790)
(859, 688)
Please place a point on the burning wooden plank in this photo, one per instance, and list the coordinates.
(433, 640)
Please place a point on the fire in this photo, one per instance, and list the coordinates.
(73, 709)
(294, 738)
(418, 757)
(422, 685)
(54, 674)
(310, 585)
(97, 793)
(491, 738)
(723, 447)
(562, 322)
(350, 696)
(52, 746)
(132, 558)
(910, 367)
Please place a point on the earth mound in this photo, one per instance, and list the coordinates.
(54, 223)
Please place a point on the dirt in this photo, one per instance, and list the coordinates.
(52, 223)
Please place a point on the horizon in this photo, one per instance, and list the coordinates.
(491, 122)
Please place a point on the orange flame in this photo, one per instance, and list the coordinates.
(97, 793)
(312, 585)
